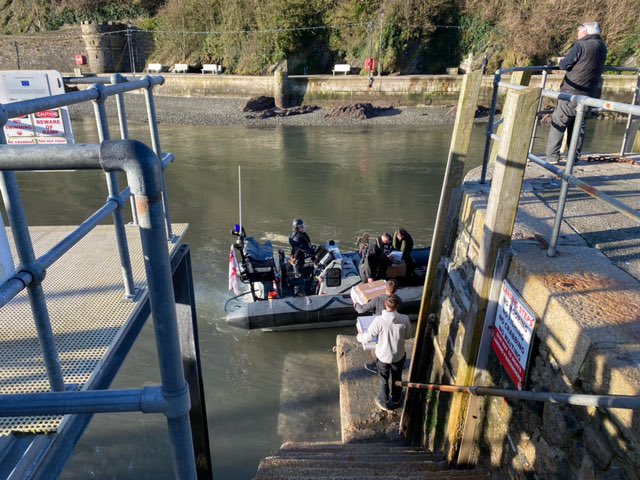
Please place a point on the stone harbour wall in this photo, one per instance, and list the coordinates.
(45, 51)
(410, 90)
(585, 342)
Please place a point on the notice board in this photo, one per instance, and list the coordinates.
(513, 333)
(41, 128)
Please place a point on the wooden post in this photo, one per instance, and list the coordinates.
(634, 137)
(506, 184)
(465, 115)
(518, 78)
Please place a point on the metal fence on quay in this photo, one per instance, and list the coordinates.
(584, 103)
(144, 172)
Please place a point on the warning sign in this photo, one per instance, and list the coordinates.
(512, 334)
(45, 127)
(48, 123)
(19, 127)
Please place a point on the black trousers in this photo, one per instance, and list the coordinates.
(390, 372)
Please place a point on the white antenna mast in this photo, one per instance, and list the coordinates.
(240, 198)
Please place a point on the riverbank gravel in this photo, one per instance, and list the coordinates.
(226, 111)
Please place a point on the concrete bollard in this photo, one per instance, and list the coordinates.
(281, 88)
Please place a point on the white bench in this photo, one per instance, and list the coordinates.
(212, 67)
(341, 67)
(154, 67)
(180, 68)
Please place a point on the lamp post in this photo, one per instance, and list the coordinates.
(380, 44)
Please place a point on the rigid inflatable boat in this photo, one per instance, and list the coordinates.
(275, 299)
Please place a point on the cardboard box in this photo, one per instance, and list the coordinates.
(397, 270)
(362, 324)
(365, 292)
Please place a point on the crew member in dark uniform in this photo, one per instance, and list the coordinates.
(403, 242)
(584, 64)
(300, 246)
(375, 259)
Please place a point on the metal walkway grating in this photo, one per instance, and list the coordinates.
(84, 292)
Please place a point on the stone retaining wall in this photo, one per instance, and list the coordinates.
(586, 342)
(400, 90)
(45, 51)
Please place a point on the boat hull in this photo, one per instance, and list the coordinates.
(313, 311)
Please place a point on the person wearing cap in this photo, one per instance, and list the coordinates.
(300, 246)
(584, 64)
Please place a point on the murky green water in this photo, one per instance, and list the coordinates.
(261, 388)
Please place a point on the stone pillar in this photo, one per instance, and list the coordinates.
(105, 53)
(281, 88)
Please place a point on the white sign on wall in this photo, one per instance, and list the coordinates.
(513, 333)
(46, 127)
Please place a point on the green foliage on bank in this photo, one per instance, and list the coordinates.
(410, 36)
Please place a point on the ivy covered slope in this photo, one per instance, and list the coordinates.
(416, 36)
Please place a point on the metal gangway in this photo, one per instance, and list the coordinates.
(584, 104)
(64, 344)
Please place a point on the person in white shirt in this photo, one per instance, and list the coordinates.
(392, 329)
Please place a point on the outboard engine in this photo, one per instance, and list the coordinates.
(338, 273)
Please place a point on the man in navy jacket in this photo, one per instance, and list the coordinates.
(584, 63)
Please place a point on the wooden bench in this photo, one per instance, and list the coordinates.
(154, 67)
(212, 67)
(341, 67)
(180, 68)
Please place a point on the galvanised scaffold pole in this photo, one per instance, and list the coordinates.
(124, 129)
(28, 263)
(144, 175)
(581, 399)
(155, 144)
(114, 193)
(543, 85)
(629, 119)
(146, 179)
(571, 157)
(492, 115)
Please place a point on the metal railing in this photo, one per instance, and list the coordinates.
(583, 103)
(144, 171)
(629, 402)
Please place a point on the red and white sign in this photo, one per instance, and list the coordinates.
(19, 127)
(48, 123)
(46, 127)
(512, 334)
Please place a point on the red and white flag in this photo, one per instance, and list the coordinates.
(233, 272)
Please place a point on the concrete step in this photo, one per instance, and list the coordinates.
(370, 457)
(329, 464)
(333, 475)
(338, 447)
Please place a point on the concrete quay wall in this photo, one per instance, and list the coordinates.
(410, 90)
(586, 342)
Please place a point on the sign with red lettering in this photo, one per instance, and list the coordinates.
(48, 123)
(513, 334)
(45, 127)
(19, 127)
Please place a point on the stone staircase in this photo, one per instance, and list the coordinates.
(357, 461)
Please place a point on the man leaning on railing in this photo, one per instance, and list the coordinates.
(584, 63)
